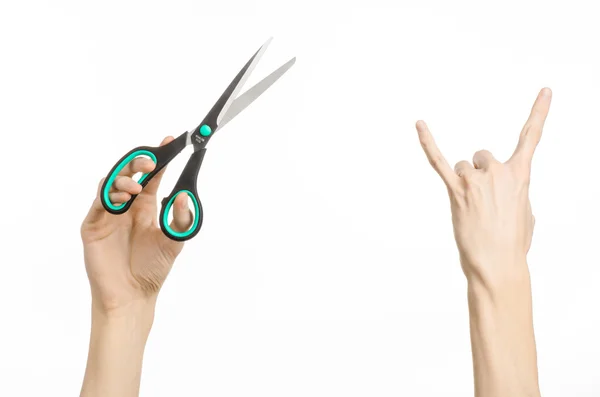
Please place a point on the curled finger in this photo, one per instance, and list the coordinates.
(126, 184)
(482, 159)
(118, 198)
(463, 168)
(138, 164)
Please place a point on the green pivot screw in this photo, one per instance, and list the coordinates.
(205, 130)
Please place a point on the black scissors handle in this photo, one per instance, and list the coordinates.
(161, 156)
(186, 184)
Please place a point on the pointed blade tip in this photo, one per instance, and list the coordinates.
(267, 42)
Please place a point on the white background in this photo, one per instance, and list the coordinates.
(326, 264)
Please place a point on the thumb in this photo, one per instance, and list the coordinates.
(182, 215)
(182, 220)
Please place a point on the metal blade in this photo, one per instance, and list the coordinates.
(249, 96)
(241, 82)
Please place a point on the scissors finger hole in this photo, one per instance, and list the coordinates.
(119, 198)
(120, 169)
(185, 216)
(182, 221)
(141, 166)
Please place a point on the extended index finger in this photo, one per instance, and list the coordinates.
(434, 155)
(532, 130)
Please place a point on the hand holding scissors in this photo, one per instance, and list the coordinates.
(224, 110)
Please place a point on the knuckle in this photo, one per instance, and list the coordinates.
(435, 160)
(458, 167)
(482, 155)
(133, 163)
(425, 141)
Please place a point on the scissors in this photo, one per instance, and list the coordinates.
(224, 110)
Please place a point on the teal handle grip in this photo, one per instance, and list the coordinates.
(164, 217)
(128, 158)
(161, 156)
(185, 185)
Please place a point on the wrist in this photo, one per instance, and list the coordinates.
(117, 343)
(137, 315)
(496, 275)
(500, 299)
(502, 336)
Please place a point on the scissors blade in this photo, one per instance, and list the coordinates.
(241, 79)
(251, 94)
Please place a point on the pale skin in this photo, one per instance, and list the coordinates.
(127, 259)
(493, 228)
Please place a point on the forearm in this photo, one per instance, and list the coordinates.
(116, 351)
(502, 336)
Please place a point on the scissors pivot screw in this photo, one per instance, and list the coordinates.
(205, 130)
